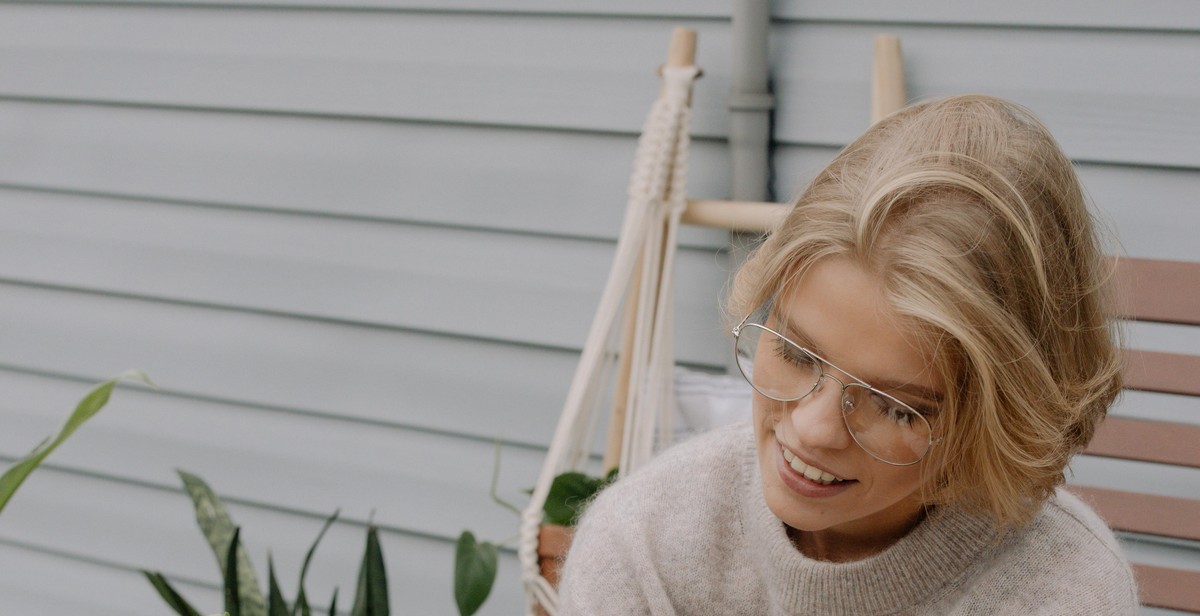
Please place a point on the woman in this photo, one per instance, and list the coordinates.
(929, 340)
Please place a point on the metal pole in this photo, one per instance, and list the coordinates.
(750, 104)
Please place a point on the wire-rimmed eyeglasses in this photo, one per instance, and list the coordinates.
(887, 428)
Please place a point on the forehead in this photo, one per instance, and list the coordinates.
(840, 311)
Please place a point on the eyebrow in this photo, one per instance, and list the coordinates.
(797, 335)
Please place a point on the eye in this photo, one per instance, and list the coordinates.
(893, 411)
(792, 354)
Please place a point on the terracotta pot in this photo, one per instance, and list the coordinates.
(553, 543)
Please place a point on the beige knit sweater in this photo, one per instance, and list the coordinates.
(690, 534)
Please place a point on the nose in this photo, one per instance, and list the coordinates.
(817, 418)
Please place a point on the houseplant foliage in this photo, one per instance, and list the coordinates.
(85, 410)
(242, 592)
(476, 562)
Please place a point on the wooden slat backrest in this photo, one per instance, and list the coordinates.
(1169, 373)
(1174, 589)
(1166, 516)
(1149, 441)
(1161, 292)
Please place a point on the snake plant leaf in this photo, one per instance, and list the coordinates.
(173, 599)
(371, 598)
(301, 608)
(333, 603)
(474, 573)
(233, 602)
(218, 529)
(88, 407)
(276, 606)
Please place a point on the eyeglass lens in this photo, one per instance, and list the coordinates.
(779, 369)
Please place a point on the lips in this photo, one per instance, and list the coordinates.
(798, 475)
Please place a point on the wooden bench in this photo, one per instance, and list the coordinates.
(1161, 292)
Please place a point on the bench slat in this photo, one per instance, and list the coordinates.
(1170, 373)
(1147, 441)
(1158, 290)
(1174, 589)
(1164, 516)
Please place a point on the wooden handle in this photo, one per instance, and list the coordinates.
(887, 82)
(746, 216)
(682, 51)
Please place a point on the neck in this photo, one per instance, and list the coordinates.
(838, 545)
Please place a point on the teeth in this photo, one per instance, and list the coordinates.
(812, 473)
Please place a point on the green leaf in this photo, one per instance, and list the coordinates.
(371, 598)
(218, 528)
(475, 566)
(233, 603)
(333, 603)
(569, 494)
(301, 607)
(276, 606)
(173, 599)
(89, 406)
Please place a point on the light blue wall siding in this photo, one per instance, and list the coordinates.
(355, 242)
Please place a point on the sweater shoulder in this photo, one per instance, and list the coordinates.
(694, 473)
(1066, 560)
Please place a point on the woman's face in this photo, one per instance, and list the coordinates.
(838, 311)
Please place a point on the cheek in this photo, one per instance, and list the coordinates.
(898, 483)
(765, 409)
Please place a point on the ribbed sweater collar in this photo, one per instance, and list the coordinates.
(926, 563)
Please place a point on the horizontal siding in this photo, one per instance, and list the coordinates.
(485, 285)
(442, 175)
(323, 463)
(156, 529)
(1154, 15)
(579, 74)
(1072, 14)
(1162, 407)
(1112, 97)
(396, 377)
(48, 583)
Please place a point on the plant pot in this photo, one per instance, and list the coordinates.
(553, 543)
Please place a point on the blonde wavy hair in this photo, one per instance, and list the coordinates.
(973, 219)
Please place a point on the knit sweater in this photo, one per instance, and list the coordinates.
(691, 534)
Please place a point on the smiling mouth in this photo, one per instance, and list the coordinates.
(811, 473)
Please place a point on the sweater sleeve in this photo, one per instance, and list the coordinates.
(638, 548)
(607, 572)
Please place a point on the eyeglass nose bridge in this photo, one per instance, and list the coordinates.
(844, 402)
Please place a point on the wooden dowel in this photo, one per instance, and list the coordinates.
(682, 51)
(616, 421)
(887, 81)
(746, 216)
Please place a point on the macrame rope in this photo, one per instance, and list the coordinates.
(657, 198)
